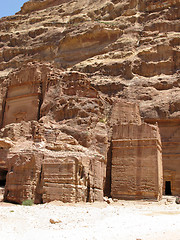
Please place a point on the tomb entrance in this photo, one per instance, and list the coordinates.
(3, 174)
(168, 188)
(136, 162)
(170, 138)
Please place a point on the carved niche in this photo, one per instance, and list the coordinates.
(22, 103)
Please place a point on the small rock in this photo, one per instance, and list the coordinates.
(54, 221)
(108, 200)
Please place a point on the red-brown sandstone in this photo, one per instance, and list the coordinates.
(136, 162)
(72, 70)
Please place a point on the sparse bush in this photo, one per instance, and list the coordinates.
(177, 200)
(28, 202)
(103, 120)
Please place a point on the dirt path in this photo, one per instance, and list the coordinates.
(124, 220)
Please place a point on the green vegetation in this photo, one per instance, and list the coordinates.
(103, 120)
(28, 202)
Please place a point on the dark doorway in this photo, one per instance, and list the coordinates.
(3, 174)
(168, 188)
(3, 178)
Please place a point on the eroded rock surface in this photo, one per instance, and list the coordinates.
(69, 72)
(130, 49)
(136, 162)
(58, 147)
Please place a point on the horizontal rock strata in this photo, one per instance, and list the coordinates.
(70, 73)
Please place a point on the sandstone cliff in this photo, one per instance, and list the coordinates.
(129, 48)
(53, 142)
(63, 66)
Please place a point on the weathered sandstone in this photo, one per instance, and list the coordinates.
(136, 162)
(75, 76)
(59, 156)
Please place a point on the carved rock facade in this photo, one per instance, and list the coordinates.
(95, 63)
(136, 162)
(59, 150)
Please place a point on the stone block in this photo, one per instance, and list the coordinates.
(136, 162)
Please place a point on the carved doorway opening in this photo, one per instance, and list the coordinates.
(168, 188)
(3, 174)
(168, 185)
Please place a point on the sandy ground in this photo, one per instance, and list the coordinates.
(126, 220)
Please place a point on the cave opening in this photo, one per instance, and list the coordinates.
(168, 188)
(3, 174)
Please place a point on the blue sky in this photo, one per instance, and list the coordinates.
(10, 7)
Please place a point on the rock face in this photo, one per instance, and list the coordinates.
(57, 150)
(45, 176)
(70, 73)
(170, 135)
(129, 49)
(136, 162)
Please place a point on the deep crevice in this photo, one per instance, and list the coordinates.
(38, 194)
(107, 187)
(40, 102)
(3, 109)
(88, 189)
